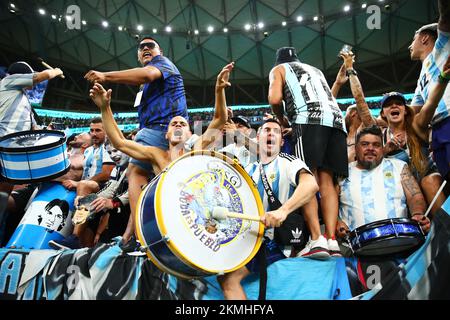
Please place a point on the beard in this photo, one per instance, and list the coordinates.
(369, 165)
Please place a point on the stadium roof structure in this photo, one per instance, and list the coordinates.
(206, 34)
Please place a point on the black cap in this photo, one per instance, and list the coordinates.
(20, 67)
(286, 54)
(242, 120)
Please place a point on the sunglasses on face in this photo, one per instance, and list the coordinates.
(150, 45)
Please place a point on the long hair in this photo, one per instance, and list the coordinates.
(418, 160)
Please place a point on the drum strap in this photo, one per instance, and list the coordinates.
(274, 203)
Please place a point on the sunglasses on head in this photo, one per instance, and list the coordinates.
(150, 45)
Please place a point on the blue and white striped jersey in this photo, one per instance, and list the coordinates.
(308, 98)
(368, 196)
(431, 68)
(94, 159)
(15, 109)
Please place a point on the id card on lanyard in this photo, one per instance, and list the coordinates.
(137, 102)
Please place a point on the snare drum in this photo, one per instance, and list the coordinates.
(47, 218)
(33, 156)
(386, 237)
(174, 216)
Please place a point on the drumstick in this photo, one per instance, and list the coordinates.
(45, 64)
(435, 197)
(220, 213)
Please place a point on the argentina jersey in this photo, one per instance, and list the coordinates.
(281, 174)
(368, 196)
(431, 68)
(308, 98)
(94, 159)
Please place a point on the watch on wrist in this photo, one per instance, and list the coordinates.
(443, 78)
(351, 72)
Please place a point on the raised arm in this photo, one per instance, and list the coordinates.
(357, 91)
(341, 79)
(102, 99)
(426, 113)
(136, 76)
(444, 15)
(48, 74)
(220, 111)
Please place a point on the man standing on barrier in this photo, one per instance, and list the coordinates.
(161, 97)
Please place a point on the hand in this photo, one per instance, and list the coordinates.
(341, 229)
(224, 76)
(423, 221)
(100, 96)
(101, 204)
(55, 73)
(342, 77)
(95, 76)
(70, 184)
(274, 218)
(267, 116)
(349, 59)
(96, 239)
(287, 132)
(229, 128)
(397, 142)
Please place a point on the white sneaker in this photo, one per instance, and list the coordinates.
(333, 248)
(316, 249)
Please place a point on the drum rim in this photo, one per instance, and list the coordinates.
(43, 179)
(383, 222)
(162, 228)
(60, 141)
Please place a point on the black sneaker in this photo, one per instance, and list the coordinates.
(130, 246)
(71, 242)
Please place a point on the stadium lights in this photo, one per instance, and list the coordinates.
(154, 30)
(12, 8)
(168, 29)
(247, 27)
(347, 8)
(284, 23)
(316, 18)
(210, 29)
(41, 12)
(260, 25)
(105, 24)
(299, 18)
(225, 30)
(196, 32)
(54, 16)
(83, 22)
(140, 27)
(364, 5)
(120, 28)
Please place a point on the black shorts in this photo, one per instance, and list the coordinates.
(321, 147)
(22, 196)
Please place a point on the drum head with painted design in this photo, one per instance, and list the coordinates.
(188, 193)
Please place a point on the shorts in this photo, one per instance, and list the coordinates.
(273, 254)
(150, 137)
(321, 147)
(440, 144)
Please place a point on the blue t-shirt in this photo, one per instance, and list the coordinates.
(164, 98)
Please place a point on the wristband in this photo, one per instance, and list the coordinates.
(351, 72)
(443, 78)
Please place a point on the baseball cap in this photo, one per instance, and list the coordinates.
(20, 67)
(391, 95)
(242, 120)
(286, 54)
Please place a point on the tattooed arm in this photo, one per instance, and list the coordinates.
(444, 15)
(414, 198)
(358, 93)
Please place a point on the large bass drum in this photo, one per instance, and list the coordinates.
(174, 216)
